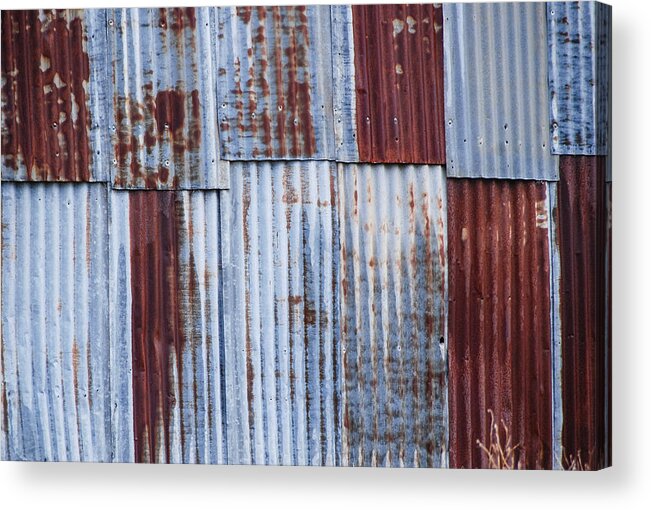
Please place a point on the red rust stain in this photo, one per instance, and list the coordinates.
(157, 332)
(582, 239)
(498, 320)
(171, 117)
(45, 70)
(399, 83)
(181, 18)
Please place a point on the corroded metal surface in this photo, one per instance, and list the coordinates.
(55, 323)
(275, 83)
(282, 339)
(388, 67)
(582, 241)
(163, 99)
(393, 305)
(496, 91)
(499, 319)
(579, 76)
(53, 104)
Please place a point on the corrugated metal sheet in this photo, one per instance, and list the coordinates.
(275, 83)
(499, 319)
(579, 76)
(282, 345)
(163, 93)
(582, 239)
(388, 64)
(393, 305)
(53, 102)
(496, 95)
(55, 325)
(172, 280)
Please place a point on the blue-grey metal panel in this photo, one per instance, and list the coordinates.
(394, 315)
(282, 342)
(496, 91)
(343, 77)
(192, 429)
(164, 132)
(275, 83)
(579, 76)
(56, 403)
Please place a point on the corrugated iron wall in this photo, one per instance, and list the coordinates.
(393, 65)
(393, 313)
(55, 323)
(579, 76)
(244, 286)
(275, 83)
(582, 242)
(163, 95)
(496, 92)
(53, 101)
(282, 348)
(499, 319)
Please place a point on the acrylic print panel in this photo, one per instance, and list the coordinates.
(340, 235)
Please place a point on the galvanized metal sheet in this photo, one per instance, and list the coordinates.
(171, 285)
(393, 304)
(500, 320)
(579, 76)
(54, 102)
(496, 91)
(163, 96)
(56, 403)
(282, 332)
(388, 64)
(275, 83)
(582, 238)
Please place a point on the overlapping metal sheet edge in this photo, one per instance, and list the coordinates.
(388, 61)
(496, 99)
(56, 403)
(579, 35)
(168, 266)
(162, 75)
(582, 241)
(393, 289)
(500, 320)
(282, 347)
(67, 60)
(275, 83)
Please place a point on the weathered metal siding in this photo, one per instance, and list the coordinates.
(55, 324)
(282, 344)
(496, 91)
(579, 76)
(609, 325)
(393, 306)
(53, 100)
(175, 318)
(396, 78)
(499, 319)
(164, 133)
(275, 83)
(582, 241)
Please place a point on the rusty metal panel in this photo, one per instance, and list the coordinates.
(609, 325)
(275, 83)
(496, 91)
(56, 402)
(393, 291)
(282, 340)
(388, 64)
(582, 241)
(54, 105)
(169, 274)
(499, 319)
(164, 131)
(579, 76)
